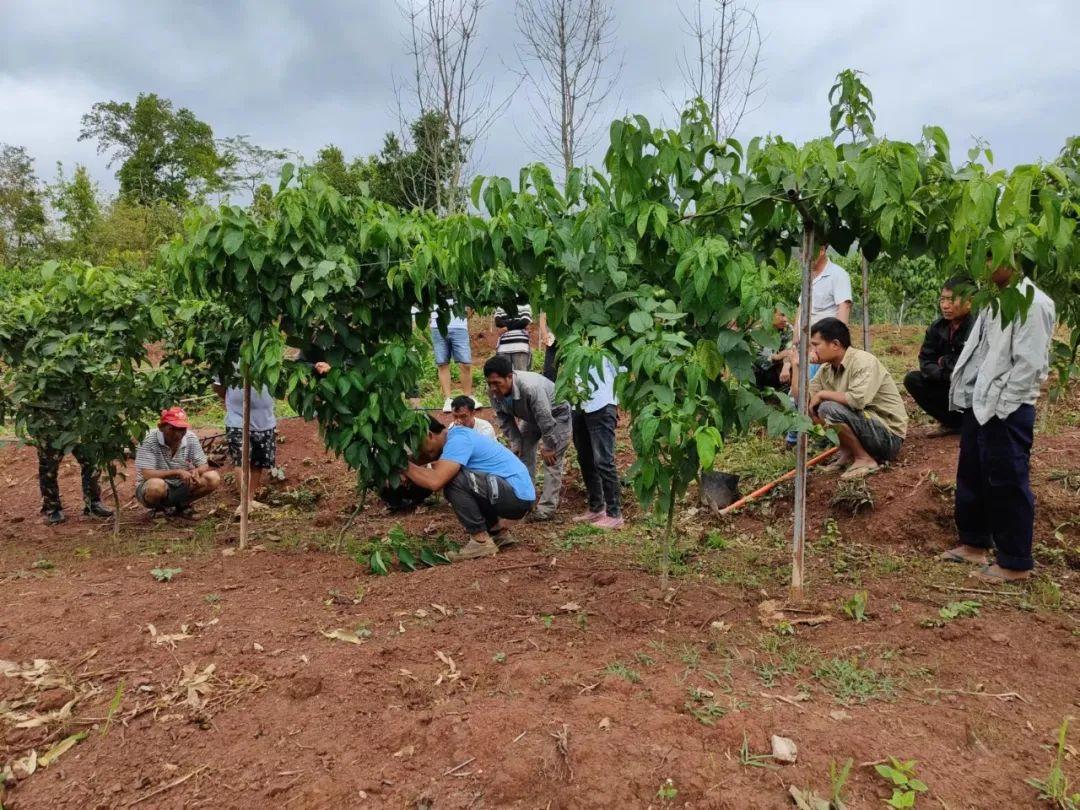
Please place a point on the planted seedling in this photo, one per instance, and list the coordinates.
(667, 792)
(1055, 788)
(906, 786)
(165, 574)
(751, 760)
(855, 607)
(966, 609)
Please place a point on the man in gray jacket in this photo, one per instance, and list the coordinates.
(996, 382)
(530, 398)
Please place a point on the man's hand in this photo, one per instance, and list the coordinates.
(322, 367)
(547, 455)
(815, 400)
(785, 374)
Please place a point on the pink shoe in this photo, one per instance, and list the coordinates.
(587, 517)
(607, 522)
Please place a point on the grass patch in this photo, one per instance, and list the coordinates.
(848, 681)
(620, 670)
(756, 458)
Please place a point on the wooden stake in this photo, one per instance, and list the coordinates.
(798, 540)
(865, 302)
(245, 465)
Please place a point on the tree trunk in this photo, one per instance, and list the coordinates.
(665, 563)
(116, 503)
(798, 540)
(245, 464)
(865, 302)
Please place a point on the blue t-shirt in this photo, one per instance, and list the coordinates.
(475, 452)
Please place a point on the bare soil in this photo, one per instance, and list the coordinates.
(555, 675)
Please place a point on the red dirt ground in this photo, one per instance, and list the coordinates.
(540, 678)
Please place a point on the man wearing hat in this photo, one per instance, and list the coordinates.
(170, 467)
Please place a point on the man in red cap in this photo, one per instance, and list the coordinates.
(170, 466)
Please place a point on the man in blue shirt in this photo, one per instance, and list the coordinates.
(483, 481)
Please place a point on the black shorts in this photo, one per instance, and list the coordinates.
(178, 494)
(263, 447)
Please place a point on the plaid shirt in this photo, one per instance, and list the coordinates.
(154, 454)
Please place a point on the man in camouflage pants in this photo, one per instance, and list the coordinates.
(48, 469)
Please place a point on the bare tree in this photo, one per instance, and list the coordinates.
(723, 62)
(567, 48)
(447, 88)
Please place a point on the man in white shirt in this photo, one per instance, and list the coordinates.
(454, 345)
(464, 409)
(594, 424)
(263, 434)
(170, 467)
(830, 297)
(995, 384)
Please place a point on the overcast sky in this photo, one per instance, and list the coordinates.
(304, 73)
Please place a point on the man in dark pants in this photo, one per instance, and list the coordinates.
(995, 384)
(594, 439)
(48, 471)
(929, 386)
(483, 481)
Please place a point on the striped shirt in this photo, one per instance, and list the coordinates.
(515, 340)
(154, 454)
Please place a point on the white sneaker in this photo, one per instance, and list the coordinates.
(446, 406)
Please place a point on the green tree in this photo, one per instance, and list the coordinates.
(406, 175)
(76, 202)
(246, 166)
(22, 207)
(164, 153)
(74, 363)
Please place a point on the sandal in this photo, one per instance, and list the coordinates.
(954, 557)
(986, 574)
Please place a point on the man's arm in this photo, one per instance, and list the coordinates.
(509, 427)
(929, 355)
(843, 311)
(1030, 355)
(540, 408)
(861, 389)
(219, 389)
(434, 478)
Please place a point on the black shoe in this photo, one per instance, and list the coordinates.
(55, 517)
(183, 512)
(98, 509)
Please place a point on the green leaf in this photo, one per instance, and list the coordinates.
(377, 564)
(640, 321)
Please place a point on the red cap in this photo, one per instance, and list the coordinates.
(175, 417)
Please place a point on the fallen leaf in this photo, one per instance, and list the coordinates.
(807, 799)
(720, 627)
(605, 723)
(257, 646)
(342, 635)
(420, 613)
(22, 768)
(839, 714)
(228, 552)
(407, 751)
(570, 607)
(441, 609)
(60, 748)
(783, 749)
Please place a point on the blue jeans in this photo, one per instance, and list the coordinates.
(995, 507)
(454, 345)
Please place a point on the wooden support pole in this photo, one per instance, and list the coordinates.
(865, 302)
(798, 540)
(245, 464)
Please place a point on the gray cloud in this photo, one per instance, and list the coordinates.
(302, 74)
